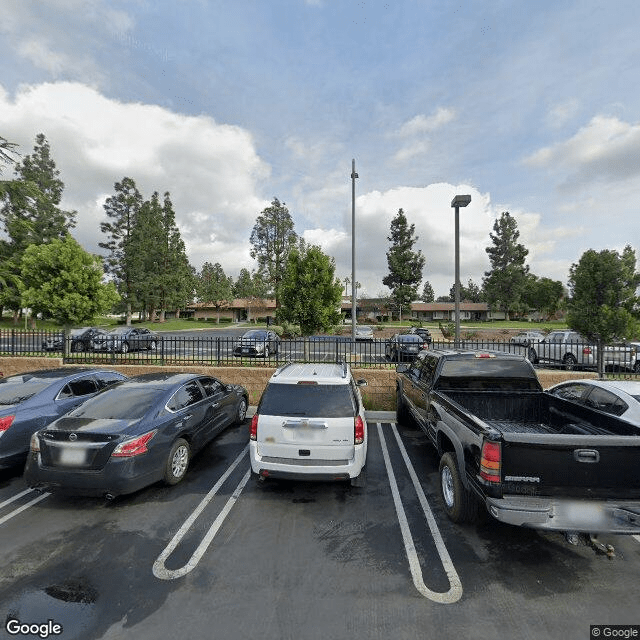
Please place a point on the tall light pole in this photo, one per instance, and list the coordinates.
(354, 175)
(457, 202)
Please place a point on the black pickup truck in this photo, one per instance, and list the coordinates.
(533, 459)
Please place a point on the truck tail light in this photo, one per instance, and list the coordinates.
(253, 429)
(5, 423)
(491, 461)
(358, 430)
(133, 447)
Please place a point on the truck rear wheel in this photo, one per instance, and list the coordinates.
(459, 503)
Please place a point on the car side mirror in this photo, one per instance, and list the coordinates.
(361, 383)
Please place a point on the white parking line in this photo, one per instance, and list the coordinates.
(159, 570)
(455, 586)
(15, 512)
(637, 538)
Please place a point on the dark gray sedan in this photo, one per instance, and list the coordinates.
(125, 339)
(31, 401)
(139, 432)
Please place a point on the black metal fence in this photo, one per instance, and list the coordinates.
(229, 351)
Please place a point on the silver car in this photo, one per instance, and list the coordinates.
(616, 397)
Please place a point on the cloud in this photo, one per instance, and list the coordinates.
(416, 131)
(560, 114)
(422, 124)
(212, 170)
(607, 149)
(64, 38)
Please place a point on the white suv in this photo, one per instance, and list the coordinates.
(310, 425)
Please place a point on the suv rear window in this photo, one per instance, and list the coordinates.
(317, 400)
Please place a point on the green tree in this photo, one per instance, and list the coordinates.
(543, 294)
(215, 287)
(428, 295)
(603, 304)
(63, 281)
(505, 282)
(30, 213)
(311, 293)
(122, 210)
(7, 151)
(405, 264)
(272, 239)
(471, 293)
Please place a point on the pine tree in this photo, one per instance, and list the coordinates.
(30, 214)
(272, 239)
(405, 264)
(504, 284)
(122, 210)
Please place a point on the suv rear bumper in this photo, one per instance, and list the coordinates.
(305, 468)
(562, 514)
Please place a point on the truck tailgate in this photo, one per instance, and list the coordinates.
(571, 465)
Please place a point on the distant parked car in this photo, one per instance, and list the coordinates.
(617, 397)
(425, 334)
(404, 346)
(143, 431)
(364, 332)
(125, 339)
(80, 339)
(31, 401)
(257, 343)
(526, 338)
(571, 350)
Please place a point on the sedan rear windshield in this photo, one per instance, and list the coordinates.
(121, 403)
(410, 337)
(17, 389)
(315, 400)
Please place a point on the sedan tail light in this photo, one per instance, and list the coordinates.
(34, 444)
(133, 447)
(358, 430)
(5, 423)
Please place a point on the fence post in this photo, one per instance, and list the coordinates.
(13, 342)
(218, 349)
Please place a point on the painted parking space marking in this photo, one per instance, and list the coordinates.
(636, 538)
(22, 508)
(159, 569)
(455, 586)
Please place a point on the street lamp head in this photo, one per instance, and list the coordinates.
(461, 201)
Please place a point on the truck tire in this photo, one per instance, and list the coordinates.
(402, 415)
(460, 504)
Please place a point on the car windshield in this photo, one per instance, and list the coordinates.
(255, 335)
(17, 389)
(409, 338)
(119, 330)
(317, 400)
(120, 403)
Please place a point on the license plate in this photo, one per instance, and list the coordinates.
(246, 350)
(73, 457)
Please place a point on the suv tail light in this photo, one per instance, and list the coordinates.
(586, 351)
(5, 423)
(491, 462)
(253, 429)
(133, 447)
(358, 430)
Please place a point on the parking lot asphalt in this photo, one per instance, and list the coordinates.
(223, 555)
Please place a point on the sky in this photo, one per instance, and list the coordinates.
(529, 106)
